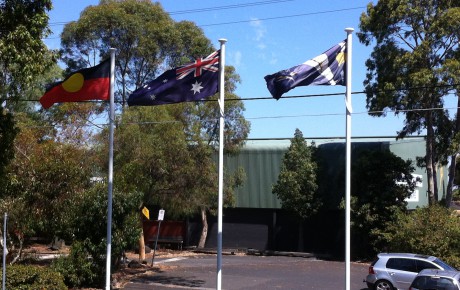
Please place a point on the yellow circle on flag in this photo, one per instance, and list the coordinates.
(74, 83)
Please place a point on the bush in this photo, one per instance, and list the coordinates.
(27, 277)
(77, 269)
(456, 195)
(432, 230)
(86, 264)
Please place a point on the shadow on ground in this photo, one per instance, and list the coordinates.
(171, 280)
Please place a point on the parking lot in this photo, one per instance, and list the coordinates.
(252, 272)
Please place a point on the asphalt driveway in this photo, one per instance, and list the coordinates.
(251, 272)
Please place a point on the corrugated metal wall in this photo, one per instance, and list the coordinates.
(262, 166)
(262, 159)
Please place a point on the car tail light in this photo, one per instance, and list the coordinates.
(371, 270)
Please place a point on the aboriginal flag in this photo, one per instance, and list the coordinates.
(86, 84)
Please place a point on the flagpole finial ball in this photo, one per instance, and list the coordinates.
(222, 40)
(349, 29)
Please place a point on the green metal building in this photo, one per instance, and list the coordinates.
(262, 159)
(258, 221)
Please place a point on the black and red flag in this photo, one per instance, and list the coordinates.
(86, 84)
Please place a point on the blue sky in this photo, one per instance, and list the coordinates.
(265, 37)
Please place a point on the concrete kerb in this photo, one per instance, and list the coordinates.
(256, 252)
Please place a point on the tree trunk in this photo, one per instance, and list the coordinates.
(435, 180)
(300, 246)
(141, 239)
(204, 231)
(450, 182)
(453, 159)
(432, 191)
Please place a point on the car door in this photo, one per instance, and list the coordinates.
(402, 271)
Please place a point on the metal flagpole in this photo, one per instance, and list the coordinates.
(110, 175)
(221, 161)
(5, 252)
(348, 159)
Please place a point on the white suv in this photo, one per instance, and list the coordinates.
(392, 271)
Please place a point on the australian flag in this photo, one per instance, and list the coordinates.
(191, 82)
(325, 69)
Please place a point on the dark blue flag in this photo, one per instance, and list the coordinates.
(191, 82)
(325, 69)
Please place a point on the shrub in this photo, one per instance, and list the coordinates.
(27, 277)
(86, 264)
(432, 230)
(77, 269)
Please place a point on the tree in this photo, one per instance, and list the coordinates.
(434, 229)
(89, 210)
(146, 38)
(41, 180)
(413, 41)
(297, 182)
(23, 56)
(381, 182)
(156, 158)
(148, 41)
(452, 68)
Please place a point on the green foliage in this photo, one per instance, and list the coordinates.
(296, 186)
(414, 56)
(23, 55)
(77, 269)
(432, 230)
(381, 181)
(85, 266)
(42, 178)
(456, 195)
(8, 132)
(201, 119)
(145, 36)
(27, 277)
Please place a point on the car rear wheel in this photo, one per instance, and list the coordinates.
(383, 285)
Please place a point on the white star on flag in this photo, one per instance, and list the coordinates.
(196, 87)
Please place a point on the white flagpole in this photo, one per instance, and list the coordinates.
(110, 175)
(221, 161)
(348, 159)
(5, 252)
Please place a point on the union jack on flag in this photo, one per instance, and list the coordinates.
(191, 82)
(210, 63)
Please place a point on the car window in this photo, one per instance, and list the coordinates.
(422, 282)
(425, 265)
(435, 283)
(444, 265)
(402, 264)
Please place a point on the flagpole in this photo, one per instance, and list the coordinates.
(221, 161)
(348, 158)
(110, 175)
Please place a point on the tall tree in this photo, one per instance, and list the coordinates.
(23, 56)
(297, 186)
(40, 181)
(148, 42)
(381, 183)
(145, 36)
(413, 41)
